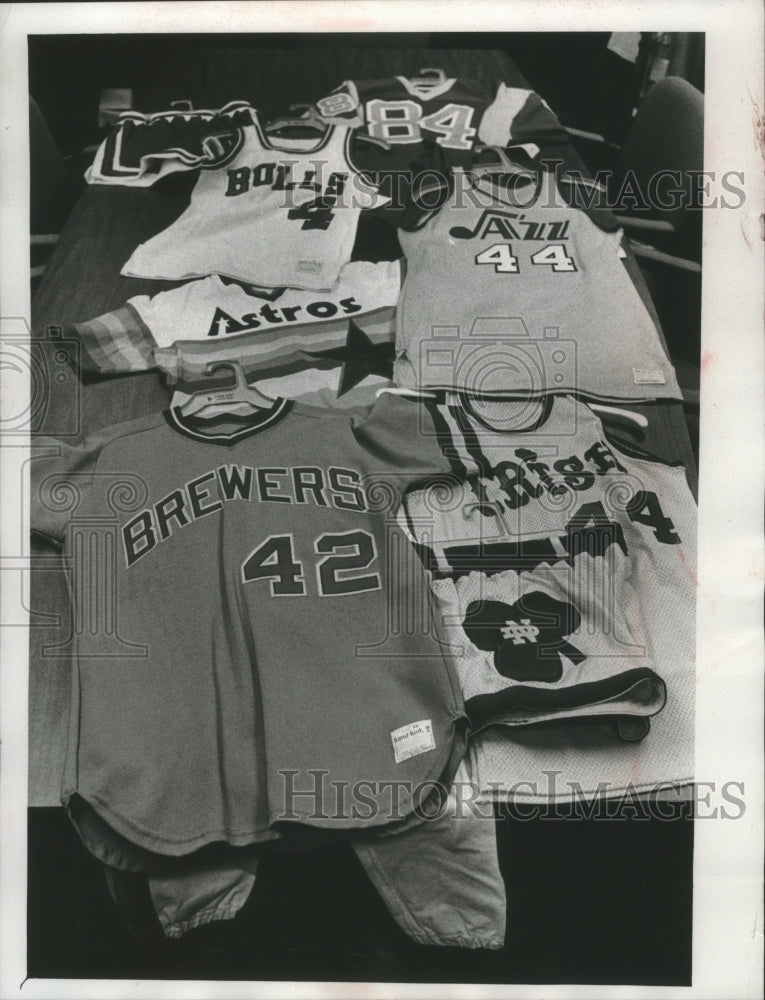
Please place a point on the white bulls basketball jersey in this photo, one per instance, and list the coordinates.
(332, 347)
(545, 568)
(262, 213)
(509, 289)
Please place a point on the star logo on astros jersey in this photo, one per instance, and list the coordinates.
(360, 357)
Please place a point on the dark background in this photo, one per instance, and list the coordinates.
(587, 85)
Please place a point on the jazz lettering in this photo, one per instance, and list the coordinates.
(515, 226)
(512, 226)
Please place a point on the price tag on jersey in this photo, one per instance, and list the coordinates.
(648, 376)
(412, 740)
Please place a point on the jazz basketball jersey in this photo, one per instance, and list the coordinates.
(511, 290)
(261, 213)
(243, 667)
(332, 348)
(544, 564)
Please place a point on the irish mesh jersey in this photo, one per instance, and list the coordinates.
(237, 622)
(455, 114)
(262, 213)
(332, 348)
(544, 567)
(509, 289)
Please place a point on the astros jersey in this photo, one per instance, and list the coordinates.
(333, 347)
(245, 634)
(543, 563)
(510, 289)
(455, 114)
(265, 214)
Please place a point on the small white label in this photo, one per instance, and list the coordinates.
(311, 266)
(648, 376)
(411, 740)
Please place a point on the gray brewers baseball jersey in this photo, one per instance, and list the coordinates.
(253, 665)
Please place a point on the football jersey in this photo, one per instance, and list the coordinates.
(511, 290)
(329, 348)
(455, 114)
(533, 563)
(262, 213)
(243, 662)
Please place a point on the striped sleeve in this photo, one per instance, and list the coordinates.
(116, 342)
(518, 115)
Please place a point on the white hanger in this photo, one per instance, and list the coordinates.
(229, 396)
(529, 148)
(613, 411)
(401, 391)
(617, 413)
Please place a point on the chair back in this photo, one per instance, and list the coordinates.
(668, 135)
(48, 177)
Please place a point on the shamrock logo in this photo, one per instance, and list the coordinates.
(527, 638)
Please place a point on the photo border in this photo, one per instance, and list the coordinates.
(727, 923)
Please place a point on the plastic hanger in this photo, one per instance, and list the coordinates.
(373, 140)
(395, 390)
(230, 396)
(309, 119)
(618, 414)
(435, 77)
(529, 148)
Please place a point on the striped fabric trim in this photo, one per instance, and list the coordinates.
(638, 691)
(483, 465)
(271, 352)
(446, 438)
(118, 341)
(458, 443)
